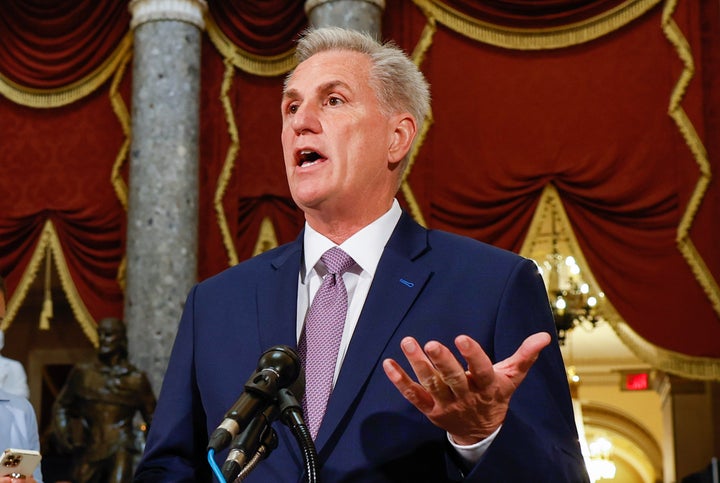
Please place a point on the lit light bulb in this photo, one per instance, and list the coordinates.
(600, 446)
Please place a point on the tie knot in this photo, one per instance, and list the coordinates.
(336, 260)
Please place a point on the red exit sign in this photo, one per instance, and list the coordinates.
(636, 381)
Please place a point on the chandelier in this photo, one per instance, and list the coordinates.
(573, 301)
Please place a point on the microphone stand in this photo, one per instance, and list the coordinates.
(291, 415)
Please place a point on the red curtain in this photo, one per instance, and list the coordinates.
(592, 118)
(56, 166)
(57, 161)
(532, 13)
(260, 27)
(53, 44)
(256, 188)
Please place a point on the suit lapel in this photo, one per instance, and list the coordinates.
(277, 299)
(397, 283)
(277, 314)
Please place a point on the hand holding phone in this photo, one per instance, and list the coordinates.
(19, 462)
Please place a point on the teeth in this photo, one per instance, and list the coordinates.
(308, 156)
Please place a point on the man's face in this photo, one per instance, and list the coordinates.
(341, 151)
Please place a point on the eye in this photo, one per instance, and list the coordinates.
(292, 108)
(334, 101)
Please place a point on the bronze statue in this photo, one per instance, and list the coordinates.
(94, 413)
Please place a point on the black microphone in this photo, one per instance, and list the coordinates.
(278, 367)
(246, 444)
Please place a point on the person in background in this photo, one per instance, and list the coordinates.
(447, 366)
(18, 424)
(12, 373)
(18, 430)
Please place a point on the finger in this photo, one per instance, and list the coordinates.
(517, 365)
(451, 373)
(480, 367)
(411, 390)
(425, 371)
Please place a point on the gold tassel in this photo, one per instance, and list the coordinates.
(47, 309)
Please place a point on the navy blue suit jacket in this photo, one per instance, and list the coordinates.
(428, 284)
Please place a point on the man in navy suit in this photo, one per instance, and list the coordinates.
(488, 398)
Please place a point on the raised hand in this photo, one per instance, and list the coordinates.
(470, 404)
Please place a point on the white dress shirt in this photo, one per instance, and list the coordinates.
(365, 247)
(12, 374)
(18, 426)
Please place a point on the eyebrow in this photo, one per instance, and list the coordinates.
(323, 88)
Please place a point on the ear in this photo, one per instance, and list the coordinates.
(402, 137)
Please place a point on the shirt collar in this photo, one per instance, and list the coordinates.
(365, 246)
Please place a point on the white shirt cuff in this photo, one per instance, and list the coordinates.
(471, 454)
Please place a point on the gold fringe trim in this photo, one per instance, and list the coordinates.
(536, 39)
(405, 187)
(45, 99)
(266, 66)
(121, 274)
(699, 368)
(123, 116)
(705, 368)
(267, 239)
(418, 56)
(228, 165)
(47, 309)
(700, 270)
(549, 199)
(49, 240)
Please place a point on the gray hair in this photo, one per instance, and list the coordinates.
(396, 80)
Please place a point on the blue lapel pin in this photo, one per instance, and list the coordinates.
(407, 283)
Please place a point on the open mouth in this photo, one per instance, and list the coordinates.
(307, 157)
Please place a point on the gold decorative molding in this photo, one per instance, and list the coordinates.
(536, 38)
(50, 98)
(228, 165)
(266, 66)
(700, 270)
(49, 240)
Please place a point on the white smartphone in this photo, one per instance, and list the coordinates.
(19, 462)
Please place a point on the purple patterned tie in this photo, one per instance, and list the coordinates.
(320, 338)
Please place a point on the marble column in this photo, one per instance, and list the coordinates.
(162, 233)
(362, 15)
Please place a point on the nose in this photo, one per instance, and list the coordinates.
(306, 119)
